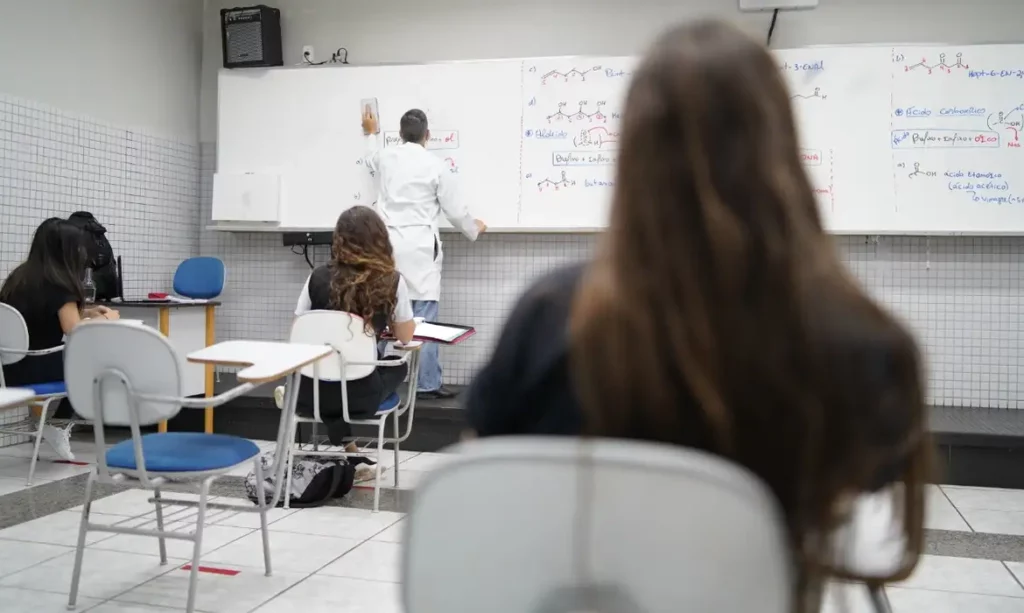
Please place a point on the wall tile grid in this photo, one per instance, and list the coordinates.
(144, 189)
(960, 295)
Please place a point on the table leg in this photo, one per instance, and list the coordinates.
(210, 321)
(165, 329)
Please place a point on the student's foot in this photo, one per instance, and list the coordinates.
(59, 439)
(279, 396)
(368, 472)
(440, 393)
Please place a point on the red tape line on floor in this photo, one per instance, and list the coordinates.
(227, 572)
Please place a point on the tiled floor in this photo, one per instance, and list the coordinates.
(346, 560)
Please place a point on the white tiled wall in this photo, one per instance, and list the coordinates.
(961, 296)
(143, 189)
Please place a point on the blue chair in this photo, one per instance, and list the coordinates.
(14, 343)
(201, 278)
(110, 385)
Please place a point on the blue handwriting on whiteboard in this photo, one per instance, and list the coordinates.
(1007, 199)
(956, 111)
(814, 66)
(598, 183)
(973, 174)
(543, 134)
(1012, 73)
(971, 186)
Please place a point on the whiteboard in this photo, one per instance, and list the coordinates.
(895, 140)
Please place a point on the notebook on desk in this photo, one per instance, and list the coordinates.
(437, 332)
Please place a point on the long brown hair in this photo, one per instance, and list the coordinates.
(716, 292)
(364, 280)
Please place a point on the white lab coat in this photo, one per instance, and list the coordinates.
(414, 189)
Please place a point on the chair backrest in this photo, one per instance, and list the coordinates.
(559, 525)
(200, 277)
(343, 331)
(145, 357)
(13, 335)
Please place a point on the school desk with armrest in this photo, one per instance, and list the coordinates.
(190, 327)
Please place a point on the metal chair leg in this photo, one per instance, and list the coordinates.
(396, 448)
(261, 501)
(160, 526)
(76, 574)
(878, 598)
(197, 547)
(380, 451)
(39, 440)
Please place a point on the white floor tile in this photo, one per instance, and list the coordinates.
(216, 593)
(57, 529)
(947, 574)
(9, 485)
(426, 461)
(407, 480)
(16, 600)
(940, 514)
(995, 522)
(289, 551)
(136, 502)
(16, 555)
(320, 594)
(214, 537)
(374, 561)
(129, 607)
(105, 574)
(926, 601)
(250, 520)
(359, 524)
(46, 470)
(394, 534)
(985, 498)
(1017, 568)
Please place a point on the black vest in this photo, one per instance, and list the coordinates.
(320, 295)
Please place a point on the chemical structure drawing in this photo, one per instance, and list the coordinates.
(918, 173)
(555, 185)
(595, 137)
(941, 66)
(1012, 121)
(815, 95)
(580, 114)
(574, 74)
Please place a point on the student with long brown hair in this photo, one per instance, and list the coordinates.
(360, 279)
(716, 313)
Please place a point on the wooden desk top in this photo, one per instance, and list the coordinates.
(265, 360)
(14, 396)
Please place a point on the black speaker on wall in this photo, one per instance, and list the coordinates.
(251, 36)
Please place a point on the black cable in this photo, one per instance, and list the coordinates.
(305, 58)
(305, 254)
(771, 28)
(336, 56)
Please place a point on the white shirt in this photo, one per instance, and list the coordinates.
(403, 307)
(414, 189)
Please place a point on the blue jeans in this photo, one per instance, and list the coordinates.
(430, 366)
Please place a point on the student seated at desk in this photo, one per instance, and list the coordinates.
(360, 279)
(717, 314)
(47, 290)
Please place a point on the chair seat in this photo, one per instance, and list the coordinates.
(389, 404)
(47, 389)
(180, 452)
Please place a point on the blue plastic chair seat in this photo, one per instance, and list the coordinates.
(389, 404)
(47, 389)
(180, 452)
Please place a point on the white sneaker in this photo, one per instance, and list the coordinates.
(59, 439)
(279, 396)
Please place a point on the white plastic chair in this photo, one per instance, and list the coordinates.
(559, 525)
(354, 357)
(127, 375)
(14, 347)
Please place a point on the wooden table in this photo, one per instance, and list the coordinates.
(189, 326)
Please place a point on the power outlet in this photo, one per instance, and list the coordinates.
(307, 54)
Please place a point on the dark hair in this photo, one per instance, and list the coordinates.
(719, 284)
(364, 280)
(57, 257)
(413, 127)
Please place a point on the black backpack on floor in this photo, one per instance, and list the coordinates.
(314, 482)
(100, 254)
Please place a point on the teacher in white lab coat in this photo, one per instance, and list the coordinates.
(415, 188)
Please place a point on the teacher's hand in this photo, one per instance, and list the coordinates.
(481, 227)
(369, 121)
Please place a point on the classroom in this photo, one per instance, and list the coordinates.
(215, 167)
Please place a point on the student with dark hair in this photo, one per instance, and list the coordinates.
(415, 189)
(47, 290)
(717, 314)
(360, 279)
